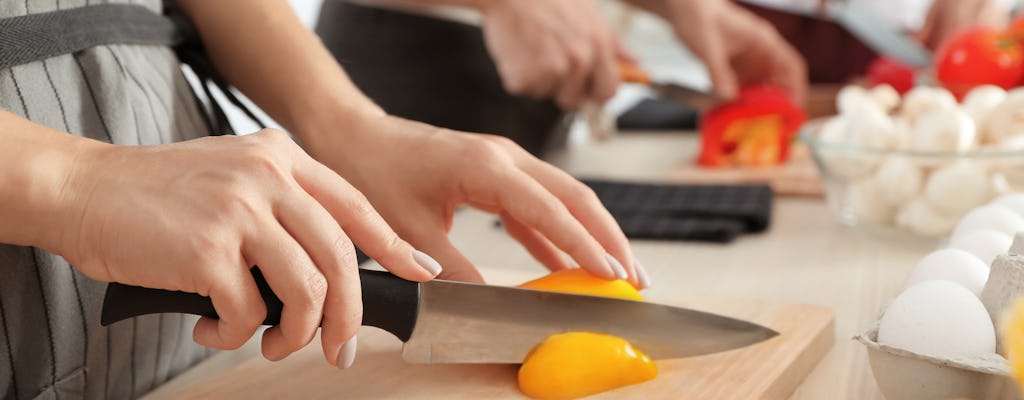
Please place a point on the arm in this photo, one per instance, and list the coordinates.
(414, 174)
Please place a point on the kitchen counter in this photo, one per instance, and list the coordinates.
(805, 257)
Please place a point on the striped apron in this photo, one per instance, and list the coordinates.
(51, 343)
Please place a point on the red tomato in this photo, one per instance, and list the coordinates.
(1016, 29)
(885, 70)
(979, 56)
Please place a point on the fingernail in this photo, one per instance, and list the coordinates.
(616, 267)
(427, 262)
(347, 354)
(641, 275)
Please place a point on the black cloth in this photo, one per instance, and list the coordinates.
(716, 213)
(434, 71)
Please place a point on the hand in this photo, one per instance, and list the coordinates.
(946, 17)
(416, 175)
(553, 49)
(737, 47)
(196, 216)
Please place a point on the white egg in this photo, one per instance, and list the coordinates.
(885, 96)
(953, 265)
(981, 100)
(985, 244)
(1013, 201)
(921, 218)
(1005, 120)
(944, 130)
(958, 187)
(851, 97)
(996, 217)
(898, 180)
(866, 200)
(922, 99)
(938, 318)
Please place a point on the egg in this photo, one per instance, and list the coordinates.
(940, 319)
(958, 187)
(885, 96)
(953, 265)
(1013, 201)
(922, 99)
(996, 217)
(866, 200)
(898, 180)
(981, 100)
(921, 218)
(985, 244)
(943, 130)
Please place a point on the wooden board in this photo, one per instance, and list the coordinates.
(768, 370)
(797, 177)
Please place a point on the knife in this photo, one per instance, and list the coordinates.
(455, 322)
(701, 100)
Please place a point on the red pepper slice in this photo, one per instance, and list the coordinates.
(755, 129)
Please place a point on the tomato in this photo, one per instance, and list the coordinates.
(979, 56)
(1016, 29)
(885, 70)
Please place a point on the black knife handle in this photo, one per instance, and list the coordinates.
(389, 302)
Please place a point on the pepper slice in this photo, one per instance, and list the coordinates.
(753, 130)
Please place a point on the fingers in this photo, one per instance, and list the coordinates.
(584, 205)
(716, 59)
(572, 89)
(363, 224)
(790, 68)
(334, 255)
(295, 280)
(239, 306)
(539, 247)
(606, 79)
(432, 238)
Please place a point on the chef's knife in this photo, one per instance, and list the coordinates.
(454, 322)
(695, 98)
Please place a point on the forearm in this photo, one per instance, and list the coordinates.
(36, 164)
(262, 48)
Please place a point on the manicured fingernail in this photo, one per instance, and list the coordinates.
(347, 354)
(616, 267)
(427, 262)
(641, 275)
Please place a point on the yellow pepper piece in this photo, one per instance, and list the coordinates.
(576, 364)
(579, 281)
(1013, 340)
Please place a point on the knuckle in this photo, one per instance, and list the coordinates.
(481, 150)
(314, 293)
(583, 193)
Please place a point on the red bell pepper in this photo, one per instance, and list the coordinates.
(753, 130)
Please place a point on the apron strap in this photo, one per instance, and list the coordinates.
(35, 37)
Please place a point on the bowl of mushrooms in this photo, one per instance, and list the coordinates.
(913, 165)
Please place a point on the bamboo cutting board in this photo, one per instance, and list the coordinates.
(768, 370)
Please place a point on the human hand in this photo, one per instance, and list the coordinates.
(553, 49)
(416, 176)
(737, 47)
(946, 17)
(196, 216)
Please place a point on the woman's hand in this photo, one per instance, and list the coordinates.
(196, 216)
(737, 47)
(416, 175)
(563, 50)
(946, 17)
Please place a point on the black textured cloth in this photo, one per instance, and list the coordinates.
(716, 213)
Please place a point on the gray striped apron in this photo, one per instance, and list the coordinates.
(51, 343)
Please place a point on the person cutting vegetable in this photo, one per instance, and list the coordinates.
(514, 67)
(106, 175)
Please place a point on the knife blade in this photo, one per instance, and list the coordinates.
(456, 322)
(699, 99)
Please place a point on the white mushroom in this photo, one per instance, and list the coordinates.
(898, 180)
(921, 218)
(981, 100)
(865, 199)
(850, 97)
(944, 130)
(922, 99)
(885, 96)
(958, 187)
(1005, 120)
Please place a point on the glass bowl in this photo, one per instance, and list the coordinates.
(874, 189)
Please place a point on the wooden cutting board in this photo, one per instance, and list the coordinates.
(797, 177)
(768, 370)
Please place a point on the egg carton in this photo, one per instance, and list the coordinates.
(902, 374)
